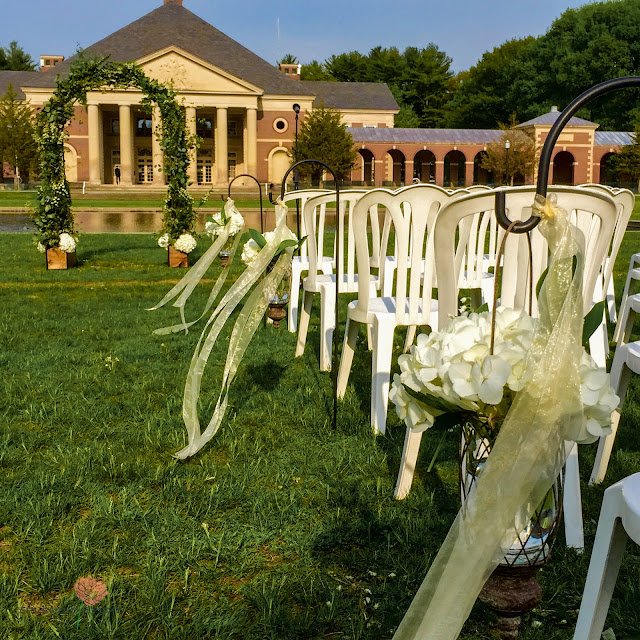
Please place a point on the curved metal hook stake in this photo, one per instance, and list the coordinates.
(248, 175)
(545, 155)
(339, 242)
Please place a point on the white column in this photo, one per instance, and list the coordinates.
(192, 171)
(156, 151)
(126, 145)
(222, 153)
(95, 143)
(252, 141)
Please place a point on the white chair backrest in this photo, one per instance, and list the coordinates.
(411, 213)
(314, 215)
(302, 196)
(594, 213)
(626, 201)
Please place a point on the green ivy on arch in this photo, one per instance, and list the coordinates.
(53, 214)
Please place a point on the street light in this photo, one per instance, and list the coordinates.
(507, 146)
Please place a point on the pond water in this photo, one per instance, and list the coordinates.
(96, 221)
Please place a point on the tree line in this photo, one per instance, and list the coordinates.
(520, 79)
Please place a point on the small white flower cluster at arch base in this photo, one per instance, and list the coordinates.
(67, 243)
(185, 243)
(455, 368)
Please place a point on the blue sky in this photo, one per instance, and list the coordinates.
(465, 29)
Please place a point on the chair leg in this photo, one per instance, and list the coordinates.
(407, 464)
(623, 302)
(606, 558)
(294, 296)
(605, 446)
(383, 328)
(327, 325)
(611, 301)
(572, 506)
(307, 302)
(346, 359)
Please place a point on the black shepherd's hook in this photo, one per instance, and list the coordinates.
(248, 175)
(334, 365)
(545, 155)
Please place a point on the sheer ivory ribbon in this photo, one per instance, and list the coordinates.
(185, 287)
(241, 334)
(528, 453)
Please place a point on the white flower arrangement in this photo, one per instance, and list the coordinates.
(41, 248)
(163, 241)
(185, 243)
(452, 371)
(218, 222)
(67, 243)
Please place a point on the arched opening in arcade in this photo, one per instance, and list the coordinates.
(365, 168)
(454, 163)
(608, 173)
(395, 168)
(563, 168)
(480, 174)
(424, 166)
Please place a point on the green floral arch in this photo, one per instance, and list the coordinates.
(53, 214)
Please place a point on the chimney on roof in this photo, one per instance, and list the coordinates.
(48, 62)
(554, 109)
(178, 2)
(291, 70)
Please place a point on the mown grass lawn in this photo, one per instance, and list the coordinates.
(280, 528)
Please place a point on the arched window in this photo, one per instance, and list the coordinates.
(395, 167)
(454, 163)
(368, 167)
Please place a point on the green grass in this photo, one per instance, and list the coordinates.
(121, 199)
(280, 528)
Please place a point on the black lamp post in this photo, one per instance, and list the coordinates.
(296, 173)
(507, 146)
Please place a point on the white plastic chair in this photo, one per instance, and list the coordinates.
(595, 214)
(625, 200)
(412, 212)
(625, 360)
(633, 277)
(301, 263)
(619, 520)
(314, 213)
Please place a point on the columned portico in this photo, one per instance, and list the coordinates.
(221, 147)
(126, 145)
(192, 171)
(95, 144)
(156, 151)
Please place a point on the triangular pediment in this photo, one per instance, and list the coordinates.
(187, 72)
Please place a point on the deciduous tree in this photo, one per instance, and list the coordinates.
(627, 161)
(18, 147)
(521, 156)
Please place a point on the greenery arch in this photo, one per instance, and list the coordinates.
(53, 214)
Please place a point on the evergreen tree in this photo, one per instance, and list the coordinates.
(14, 58)
(17, 144)
(315, 71)
(288, 58)
(324, 137)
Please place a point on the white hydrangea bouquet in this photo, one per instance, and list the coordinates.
(185, 243)
(451, 375)
(228, 221)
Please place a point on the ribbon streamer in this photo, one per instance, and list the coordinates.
(528, 454)
(185, 287)
(243, 330)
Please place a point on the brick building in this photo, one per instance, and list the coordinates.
(242, 108)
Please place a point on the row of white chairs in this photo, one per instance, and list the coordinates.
(462, 256)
